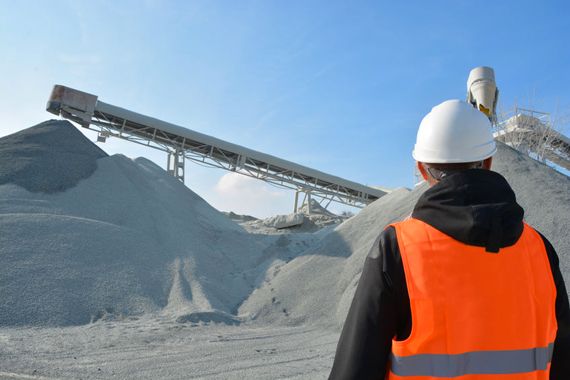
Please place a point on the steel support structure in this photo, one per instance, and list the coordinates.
(532, 132)
(175, 164)
(180, 144)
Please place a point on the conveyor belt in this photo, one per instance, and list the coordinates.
(182, 143)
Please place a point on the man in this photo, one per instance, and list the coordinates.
(463, 288)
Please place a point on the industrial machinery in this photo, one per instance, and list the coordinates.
(482, 91)
(531, 132)
(181, 143)
(526, 130)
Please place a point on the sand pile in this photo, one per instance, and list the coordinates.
(22, 157)
(239, 218)
(85, 236)
(320, 216)
(127, 239)
(319, 285)
(303, 221)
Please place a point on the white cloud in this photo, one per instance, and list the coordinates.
(245, 195)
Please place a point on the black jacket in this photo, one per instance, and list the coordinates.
(476, 207)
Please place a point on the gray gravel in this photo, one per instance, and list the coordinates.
(50, 157)
(175, 289)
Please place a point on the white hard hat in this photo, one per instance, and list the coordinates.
(454, 132)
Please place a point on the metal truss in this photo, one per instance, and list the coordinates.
(179, 148)
(531, 132)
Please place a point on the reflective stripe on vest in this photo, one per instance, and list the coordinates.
(475, 314)
(473, 363)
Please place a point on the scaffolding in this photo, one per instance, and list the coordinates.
(532, 133)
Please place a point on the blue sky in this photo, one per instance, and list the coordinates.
(340, 86)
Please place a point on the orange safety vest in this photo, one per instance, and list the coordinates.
(475, 314)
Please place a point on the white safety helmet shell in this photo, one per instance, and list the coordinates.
(454, 132)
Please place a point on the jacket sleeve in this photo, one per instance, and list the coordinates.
(560, 366)
(374, 318)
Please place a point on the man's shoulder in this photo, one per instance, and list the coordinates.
(539, 235)
(384, 243)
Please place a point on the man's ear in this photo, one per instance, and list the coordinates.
(487, 163)
(422, 170)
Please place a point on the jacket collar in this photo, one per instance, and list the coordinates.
(475, 206)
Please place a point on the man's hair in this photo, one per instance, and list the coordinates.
(439, 171)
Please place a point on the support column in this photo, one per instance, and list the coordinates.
(175, 165)
(306, 200)
(295, 206)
